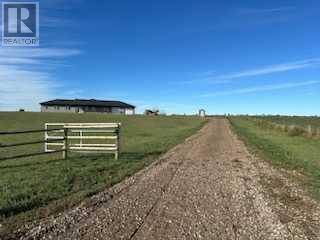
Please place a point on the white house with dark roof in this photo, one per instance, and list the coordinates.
(91, 105)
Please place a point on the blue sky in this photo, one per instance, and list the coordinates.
(224, 56)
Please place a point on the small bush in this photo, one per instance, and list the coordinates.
(296, 131)
(318, 132)
(291, 130)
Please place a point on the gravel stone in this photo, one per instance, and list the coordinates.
(209, 187)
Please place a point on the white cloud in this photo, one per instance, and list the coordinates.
(249, 11)
(38, 52)
(261, 89)
(266, 70)
(15, 60)
(23, 81)
(285, 67)
(21, 88)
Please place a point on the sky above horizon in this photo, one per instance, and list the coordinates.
(239, 57)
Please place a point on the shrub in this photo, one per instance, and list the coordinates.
(296, 131)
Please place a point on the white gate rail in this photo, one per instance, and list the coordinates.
(79, 136)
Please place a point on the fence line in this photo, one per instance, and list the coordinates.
(63, 140)
(26, 143)
(29, 131)
(292, 129)
(80, 129)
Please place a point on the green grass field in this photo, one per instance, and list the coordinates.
(290, 152)
(299, 121)
(36, 187)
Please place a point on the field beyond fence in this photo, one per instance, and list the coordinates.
(36, 187)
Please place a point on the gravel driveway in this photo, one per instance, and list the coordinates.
(209, 187)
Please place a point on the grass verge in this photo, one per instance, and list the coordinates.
(33, 188)
(284, 151)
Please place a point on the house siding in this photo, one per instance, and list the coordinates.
(62, 109)
(129, 111)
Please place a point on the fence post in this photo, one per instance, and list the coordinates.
(65, 144)
(46, 137)
(309, 130)
(120, 138)
(81, 135)
(118, 130)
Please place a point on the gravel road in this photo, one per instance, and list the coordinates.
(209, 187)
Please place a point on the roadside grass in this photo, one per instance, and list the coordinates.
(295, 120)
(288, 152)
(293, 126)
(33, 188)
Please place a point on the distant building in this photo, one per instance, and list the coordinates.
(202, 113)
(91, 105)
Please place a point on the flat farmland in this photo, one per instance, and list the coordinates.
(33, 188)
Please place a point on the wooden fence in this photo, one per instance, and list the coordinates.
(78, 137)
(61, 136)
(6, 145)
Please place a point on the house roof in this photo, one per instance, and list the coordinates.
(85, 102)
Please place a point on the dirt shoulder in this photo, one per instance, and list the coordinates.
(209, 187)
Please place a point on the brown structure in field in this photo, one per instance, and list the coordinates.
(149, 112)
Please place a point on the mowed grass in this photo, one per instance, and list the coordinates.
(32, 188)
(289, 152)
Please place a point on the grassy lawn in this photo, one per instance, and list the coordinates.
(33, 188)
(293, 153)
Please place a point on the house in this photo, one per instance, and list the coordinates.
(91, 105)
(151, 112)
